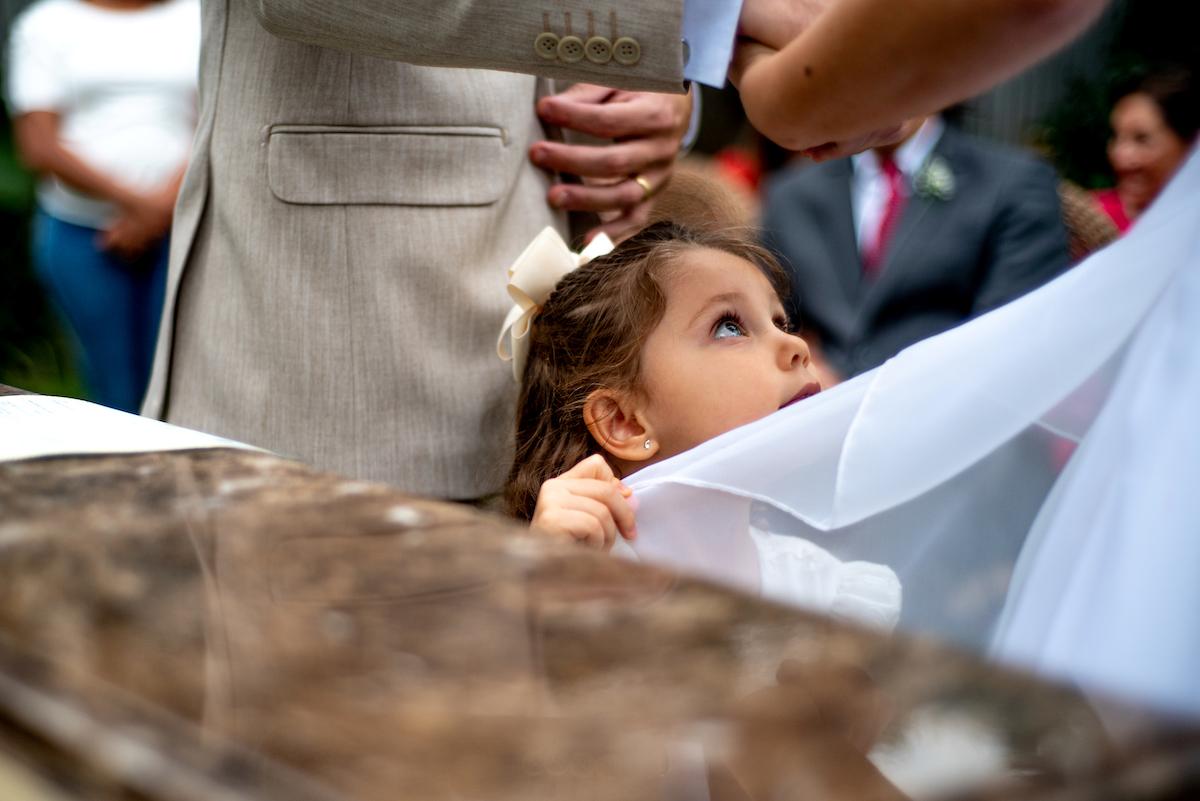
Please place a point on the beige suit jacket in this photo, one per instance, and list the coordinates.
(342, 235)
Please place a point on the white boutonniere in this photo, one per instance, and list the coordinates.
(935, 180)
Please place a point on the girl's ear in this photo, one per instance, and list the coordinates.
(616, 422)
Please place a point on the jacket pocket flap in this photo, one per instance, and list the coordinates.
(393, 165)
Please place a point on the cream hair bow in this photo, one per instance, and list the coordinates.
(531, 279)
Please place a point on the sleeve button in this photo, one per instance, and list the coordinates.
(627, 51)
(570, 48)
(546, 46)
(598, 50)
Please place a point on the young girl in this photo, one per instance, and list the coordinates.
(674, 337)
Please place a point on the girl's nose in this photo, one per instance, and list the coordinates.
(794, 352)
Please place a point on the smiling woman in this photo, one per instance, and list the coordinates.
(1153, 125)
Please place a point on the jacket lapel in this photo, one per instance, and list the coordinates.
(921, 215)
(846, 265)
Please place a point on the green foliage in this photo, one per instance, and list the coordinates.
(1076, 132)
(16, 185)
(35, 353)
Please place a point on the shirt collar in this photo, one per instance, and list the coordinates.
(910, 156)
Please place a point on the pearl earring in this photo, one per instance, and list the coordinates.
(646, 444)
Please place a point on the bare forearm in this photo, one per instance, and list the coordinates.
(78, 174)
(42, 151)
(175, 181)
(867, 64)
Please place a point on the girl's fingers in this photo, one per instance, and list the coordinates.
(592, 479)
(578, 524)
(613, 496)
(594, 466)
(598, 511)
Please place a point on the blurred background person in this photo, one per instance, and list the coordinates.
(1153, 126)
(103, 99)
(899, 243)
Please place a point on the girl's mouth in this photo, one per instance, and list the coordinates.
(810, 389)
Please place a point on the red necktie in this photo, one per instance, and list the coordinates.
(873, 257)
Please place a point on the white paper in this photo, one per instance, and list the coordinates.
(41, 425)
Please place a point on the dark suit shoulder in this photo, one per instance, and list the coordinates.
(796, 182)
(1005, 162)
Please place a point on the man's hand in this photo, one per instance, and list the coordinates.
(587, 504)
(776, 22)
(646, 129)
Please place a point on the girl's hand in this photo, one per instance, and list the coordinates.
(588, 503)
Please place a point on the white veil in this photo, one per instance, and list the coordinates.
(938, 462)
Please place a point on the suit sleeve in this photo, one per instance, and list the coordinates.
(631, 44)
(1028, 242)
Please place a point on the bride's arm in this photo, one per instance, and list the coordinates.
(863, 66)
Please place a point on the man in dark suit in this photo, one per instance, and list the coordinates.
(895, 245)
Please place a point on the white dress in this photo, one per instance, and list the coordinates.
(796, 571)
(938, 463)
(785, 569)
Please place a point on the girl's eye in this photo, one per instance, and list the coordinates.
(728, 326)
(784, 325)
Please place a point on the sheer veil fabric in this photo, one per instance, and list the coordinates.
(1057, 434)
(1108, 586)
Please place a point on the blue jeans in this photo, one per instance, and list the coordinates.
(112, 306)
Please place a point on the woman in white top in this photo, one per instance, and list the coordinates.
(103, 96)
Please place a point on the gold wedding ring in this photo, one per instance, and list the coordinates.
(647, 189)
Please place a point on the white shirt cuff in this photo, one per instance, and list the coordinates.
(693, 131)
(709, 28)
